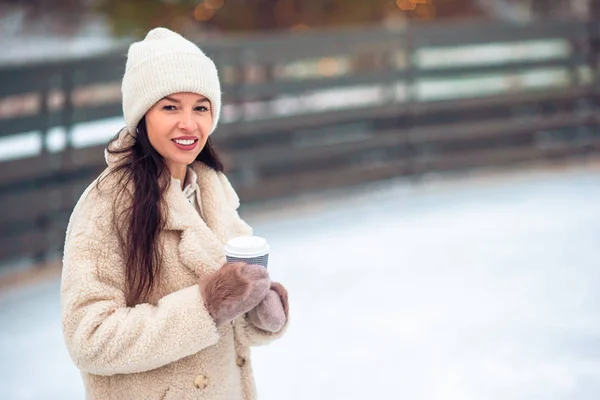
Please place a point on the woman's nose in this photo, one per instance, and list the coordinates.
(186, 123)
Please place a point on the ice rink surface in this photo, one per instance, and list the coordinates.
(483, 290)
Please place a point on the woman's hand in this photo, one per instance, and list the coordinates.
(272, 312)
(233, 290)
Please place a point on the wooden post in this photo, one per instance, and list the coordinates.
(594, 61)
(410, 84)
(594, 38)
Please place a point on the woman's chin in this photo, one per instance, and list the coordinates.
(187, 160)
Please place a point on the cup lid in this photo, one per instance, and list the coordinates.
(247, 246)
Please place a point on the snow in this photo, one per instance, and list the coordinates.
(459, 291)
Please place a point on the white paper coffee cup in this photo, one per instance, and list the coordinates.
(248, 249)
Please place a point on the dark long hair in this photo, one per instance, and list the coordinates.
(142, 213)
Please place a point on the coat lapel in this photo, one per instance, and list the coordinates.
(201, 244)
(217, 212)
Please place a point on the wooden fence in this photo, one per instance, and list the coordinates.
(321, 109)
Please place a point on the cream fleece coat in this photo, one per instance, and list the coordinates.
(169, 347)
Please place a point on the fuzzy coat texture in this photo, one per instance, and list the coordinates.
(168, 347)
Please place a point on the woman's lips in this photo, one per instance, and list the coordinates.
(185, 144)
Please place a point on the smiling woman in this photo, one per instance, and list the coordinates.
(150, 308)
(178, 127)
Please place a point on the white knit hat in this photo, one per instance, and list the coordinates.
(162, 64)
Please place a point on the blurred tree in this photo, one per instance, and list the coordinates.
(137, 16)
(283, 14)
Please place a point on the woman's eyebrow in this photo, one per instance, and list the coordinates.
(174, 100)
(171, 99)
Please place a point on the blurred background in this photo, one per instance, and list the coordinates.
(425, 170)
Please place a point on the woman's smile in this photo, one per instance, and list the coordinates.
(185, 143)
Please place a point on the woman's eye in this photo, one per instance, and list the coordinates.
(201, 108)
(169, 108)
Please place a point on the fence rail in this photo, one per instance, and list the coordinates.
(319, 109)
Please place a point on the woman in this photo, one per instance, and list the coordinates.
(150, 308)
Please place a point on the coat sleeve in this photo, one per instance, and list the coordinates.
(102, 334)
(246, 333)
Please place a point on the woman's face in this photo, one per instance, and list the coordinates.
(178, 126)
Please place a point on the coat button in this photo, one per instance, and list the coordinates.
(201, 382)
(241, 361)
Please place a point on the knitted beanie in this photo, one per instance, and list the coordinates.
(162, 64)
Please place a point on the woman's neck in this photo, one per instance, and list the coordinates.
(178, 172)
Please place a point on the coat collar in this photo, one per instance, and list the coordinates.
(181, 215)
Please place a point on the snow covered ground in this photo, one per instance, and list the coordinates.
(439, 292)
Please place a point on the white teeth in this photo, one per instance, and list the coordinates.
(184, 142)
